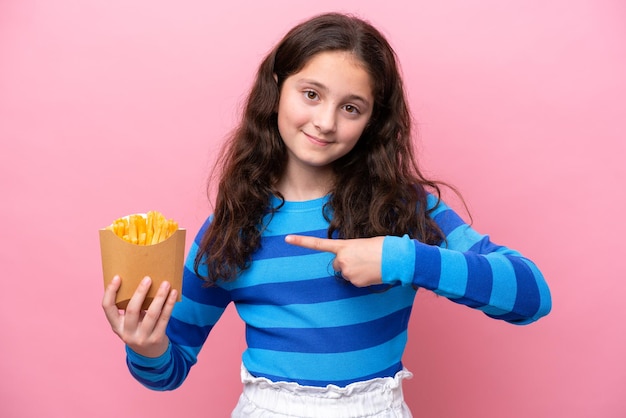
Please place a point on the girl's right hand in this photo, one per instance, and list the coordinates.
(142, 331)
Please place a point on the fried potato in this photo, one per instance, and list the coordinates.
(139, 229)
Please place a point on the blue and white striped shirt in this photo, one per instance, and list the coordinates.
(305, 325)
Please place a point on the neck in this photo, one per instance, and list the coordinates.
(305, 186)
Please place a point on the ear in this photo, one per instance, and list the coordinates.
(276, 78)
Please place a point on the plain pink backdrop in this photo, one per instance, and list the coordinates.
(113, 107)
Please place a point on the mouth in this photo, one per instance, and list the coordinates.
(317, 141)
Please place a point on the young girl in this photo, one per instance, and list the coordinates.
(323, 231)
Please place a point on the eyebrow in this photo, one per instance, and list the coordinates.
(351, 97)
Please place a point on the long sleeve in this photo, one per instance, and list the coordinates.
(191, 322)
(469, 269)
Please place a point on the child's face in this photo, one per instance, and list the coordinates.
(323, 110)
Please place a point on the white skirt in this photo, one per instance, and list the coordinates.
(376, 398)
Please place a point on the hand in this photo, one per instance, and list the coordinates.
(358, 260)
(142, 331)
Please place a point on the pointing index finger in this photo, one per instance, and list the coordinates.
(313, 243)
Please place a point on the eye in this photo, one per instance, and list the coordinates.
(351, 109)
(311, 95)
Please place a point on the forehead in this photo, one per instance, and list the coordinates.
(338, 71)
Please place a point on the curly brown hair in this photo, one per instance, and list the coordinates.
(378, 188)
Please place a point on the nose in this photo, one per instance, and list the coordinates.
(325, 119)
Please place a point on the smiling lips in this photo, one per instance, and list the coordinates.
(316, 140)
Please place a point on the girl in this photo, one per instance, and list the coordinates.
(324, 228)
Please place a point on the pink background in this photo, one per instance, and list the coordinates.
(113, 107)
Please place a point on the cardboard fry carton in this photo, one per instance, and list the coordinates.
(162, 262)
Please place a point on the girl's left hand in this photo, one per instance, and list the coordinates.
(358, 260)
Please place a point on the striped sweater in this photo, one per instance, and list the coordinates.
(303, 324)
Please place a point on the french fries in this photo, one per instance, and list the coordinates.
(148, 229)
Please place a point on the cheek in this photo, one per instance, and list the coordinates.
(354, 132)
(291, 115)
(283, 121)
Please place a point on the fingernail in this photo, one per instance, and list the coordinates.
(145, 281)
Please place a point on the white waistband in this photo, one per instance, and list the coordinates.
(360, 399)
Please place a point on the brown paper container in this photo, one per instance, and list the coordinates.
(162, 262)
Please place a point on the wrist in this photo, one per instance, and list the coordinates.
(149, 354)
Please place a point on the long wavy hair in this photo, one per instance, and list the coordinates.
(378, 187)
